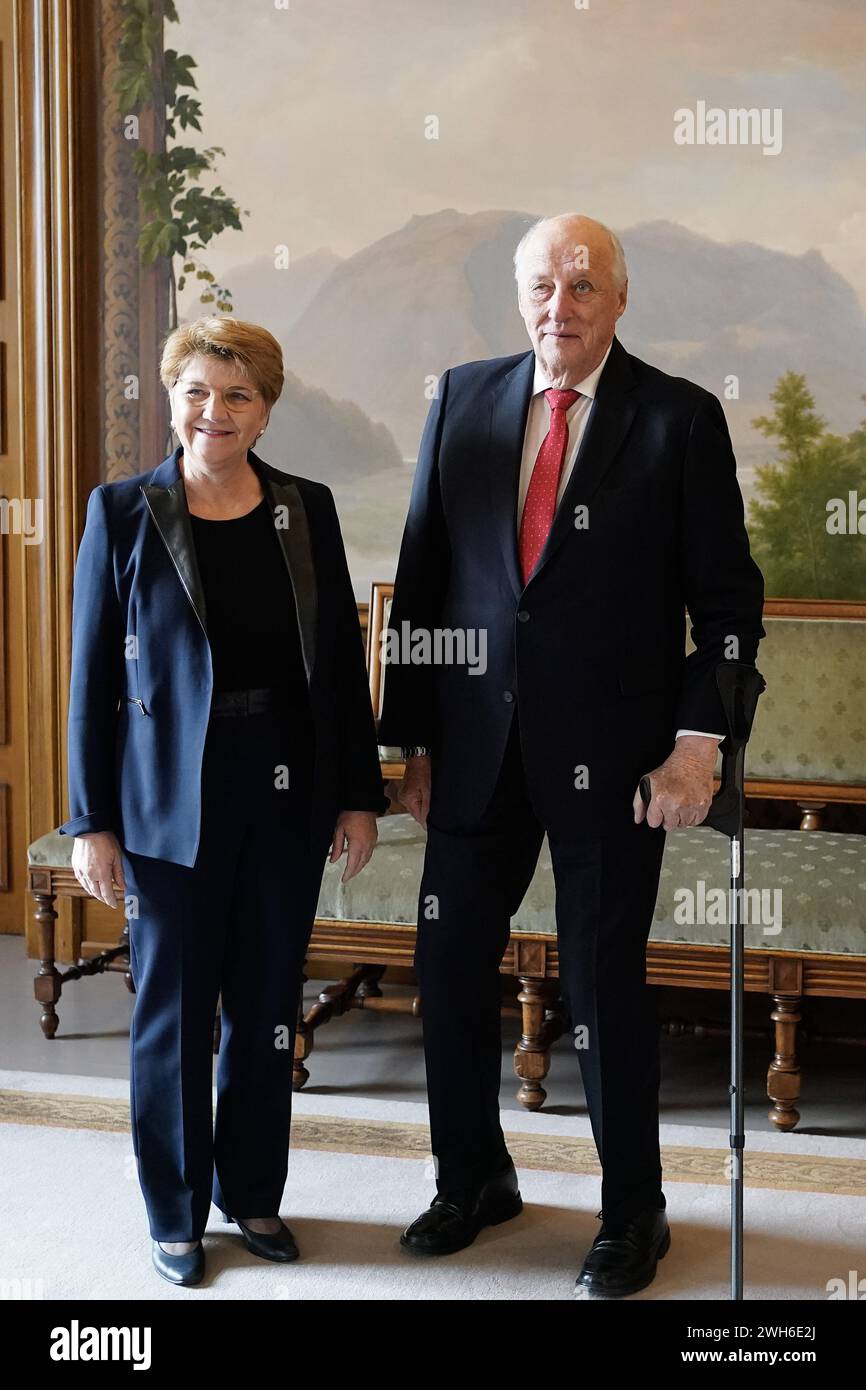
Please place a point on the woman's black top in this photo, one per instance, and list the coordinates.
(252, 625)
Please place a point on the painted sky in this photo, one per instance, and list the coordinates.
(541, 106)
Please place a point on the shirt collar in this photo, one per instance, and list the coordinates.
(587, 387)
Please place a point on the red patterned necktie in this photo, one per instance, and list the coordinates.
(540, 504)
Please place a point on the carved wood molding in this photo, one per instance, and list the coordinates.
(848, 793)
(4, 641)
(853, 609)
(55, 61)
(5, 871)
(119, 289)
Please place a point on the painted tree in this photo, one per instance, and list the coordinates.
(180, 217)
(800, 555)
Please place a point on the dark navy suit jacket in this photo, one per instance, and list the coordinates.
(142, 675)
(592, 649)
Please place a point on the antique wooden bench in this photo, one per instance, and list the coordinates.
(808, 746)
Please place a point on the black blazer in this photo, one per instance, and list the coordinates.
(592, 649)
(137, 726)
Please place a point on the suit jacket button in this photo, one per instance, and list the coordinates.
(507, 696)
(523, 616)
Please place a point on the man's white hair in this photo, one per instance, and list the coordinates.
(619, 267)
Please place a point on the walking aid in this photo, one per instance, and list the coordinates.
(739, 687)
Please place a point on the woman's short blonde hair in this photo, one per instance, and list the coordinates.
(254, 349)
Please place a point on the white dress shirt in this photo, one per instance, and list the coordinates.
(537, 426)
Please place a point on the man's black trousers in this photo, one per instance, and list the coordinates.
(606, 885)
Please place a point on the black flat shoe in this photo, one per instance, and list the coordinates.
(280, 1246)
(624, 1254)
(179, 1269)
(452, 1223)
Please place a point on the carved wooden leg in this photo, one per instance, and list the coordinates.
(369, 986)
(359, 989)
(812, 817)
(47, 985)
(532, 1053)
(303, 1043)
(783, 1077)
(127, 974)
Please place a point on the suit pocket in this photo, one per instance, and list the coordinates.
(634, 499)
(139, 704)
(619, 512)
(641, 680)
(643, 485)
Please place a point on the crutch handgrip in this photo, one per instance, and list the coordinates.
(739, 686)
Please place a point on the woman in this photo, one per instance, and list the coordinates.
(221, 740)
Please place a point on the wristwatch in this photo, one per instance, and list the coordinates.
(415, 751)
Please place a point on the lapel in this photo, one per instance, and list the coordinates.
(293, 530)
(610, 417)
(165, 497)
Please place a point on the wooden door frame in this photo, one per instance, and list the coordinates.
(57, 89)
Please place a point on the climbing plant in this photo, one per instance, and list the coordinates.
(179, 216)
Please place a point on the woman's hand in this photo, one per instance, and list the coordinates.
(357, 830)
(97, 865)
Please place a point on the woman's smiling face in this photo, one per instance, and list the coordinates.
(217, 411)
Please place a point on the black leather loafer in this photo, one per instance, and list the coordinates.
(179, 1269)
(451, 1223)
(624, 1254)
(280, 1246)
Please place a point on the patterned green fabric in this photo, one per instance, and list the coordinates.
(821, 878)
(52, 849)
(810, 724)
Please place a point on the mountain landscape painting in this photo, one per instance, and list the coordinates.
(379, 256)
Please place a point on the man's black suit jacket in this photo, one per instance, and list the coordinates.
(591, 651)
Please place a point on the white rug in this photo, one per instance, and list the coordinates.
(74, 1226)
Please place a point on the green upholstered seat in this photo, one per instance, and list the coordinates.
(821, 878)
(810, 724)
(52, 849)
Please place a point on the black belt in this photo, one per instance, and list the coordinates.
(247, 701)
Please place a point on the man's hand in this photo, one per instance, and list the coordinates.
(355, 832)
(414, 791)
(97, 865)
(682, 788)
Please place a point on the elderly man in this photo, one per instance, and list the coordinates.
(571, 502)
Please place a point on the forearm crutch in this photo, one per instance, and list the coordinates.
(739, 687)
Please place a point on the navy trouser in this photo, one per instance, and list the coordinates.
(606, 887)
(237, 923)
